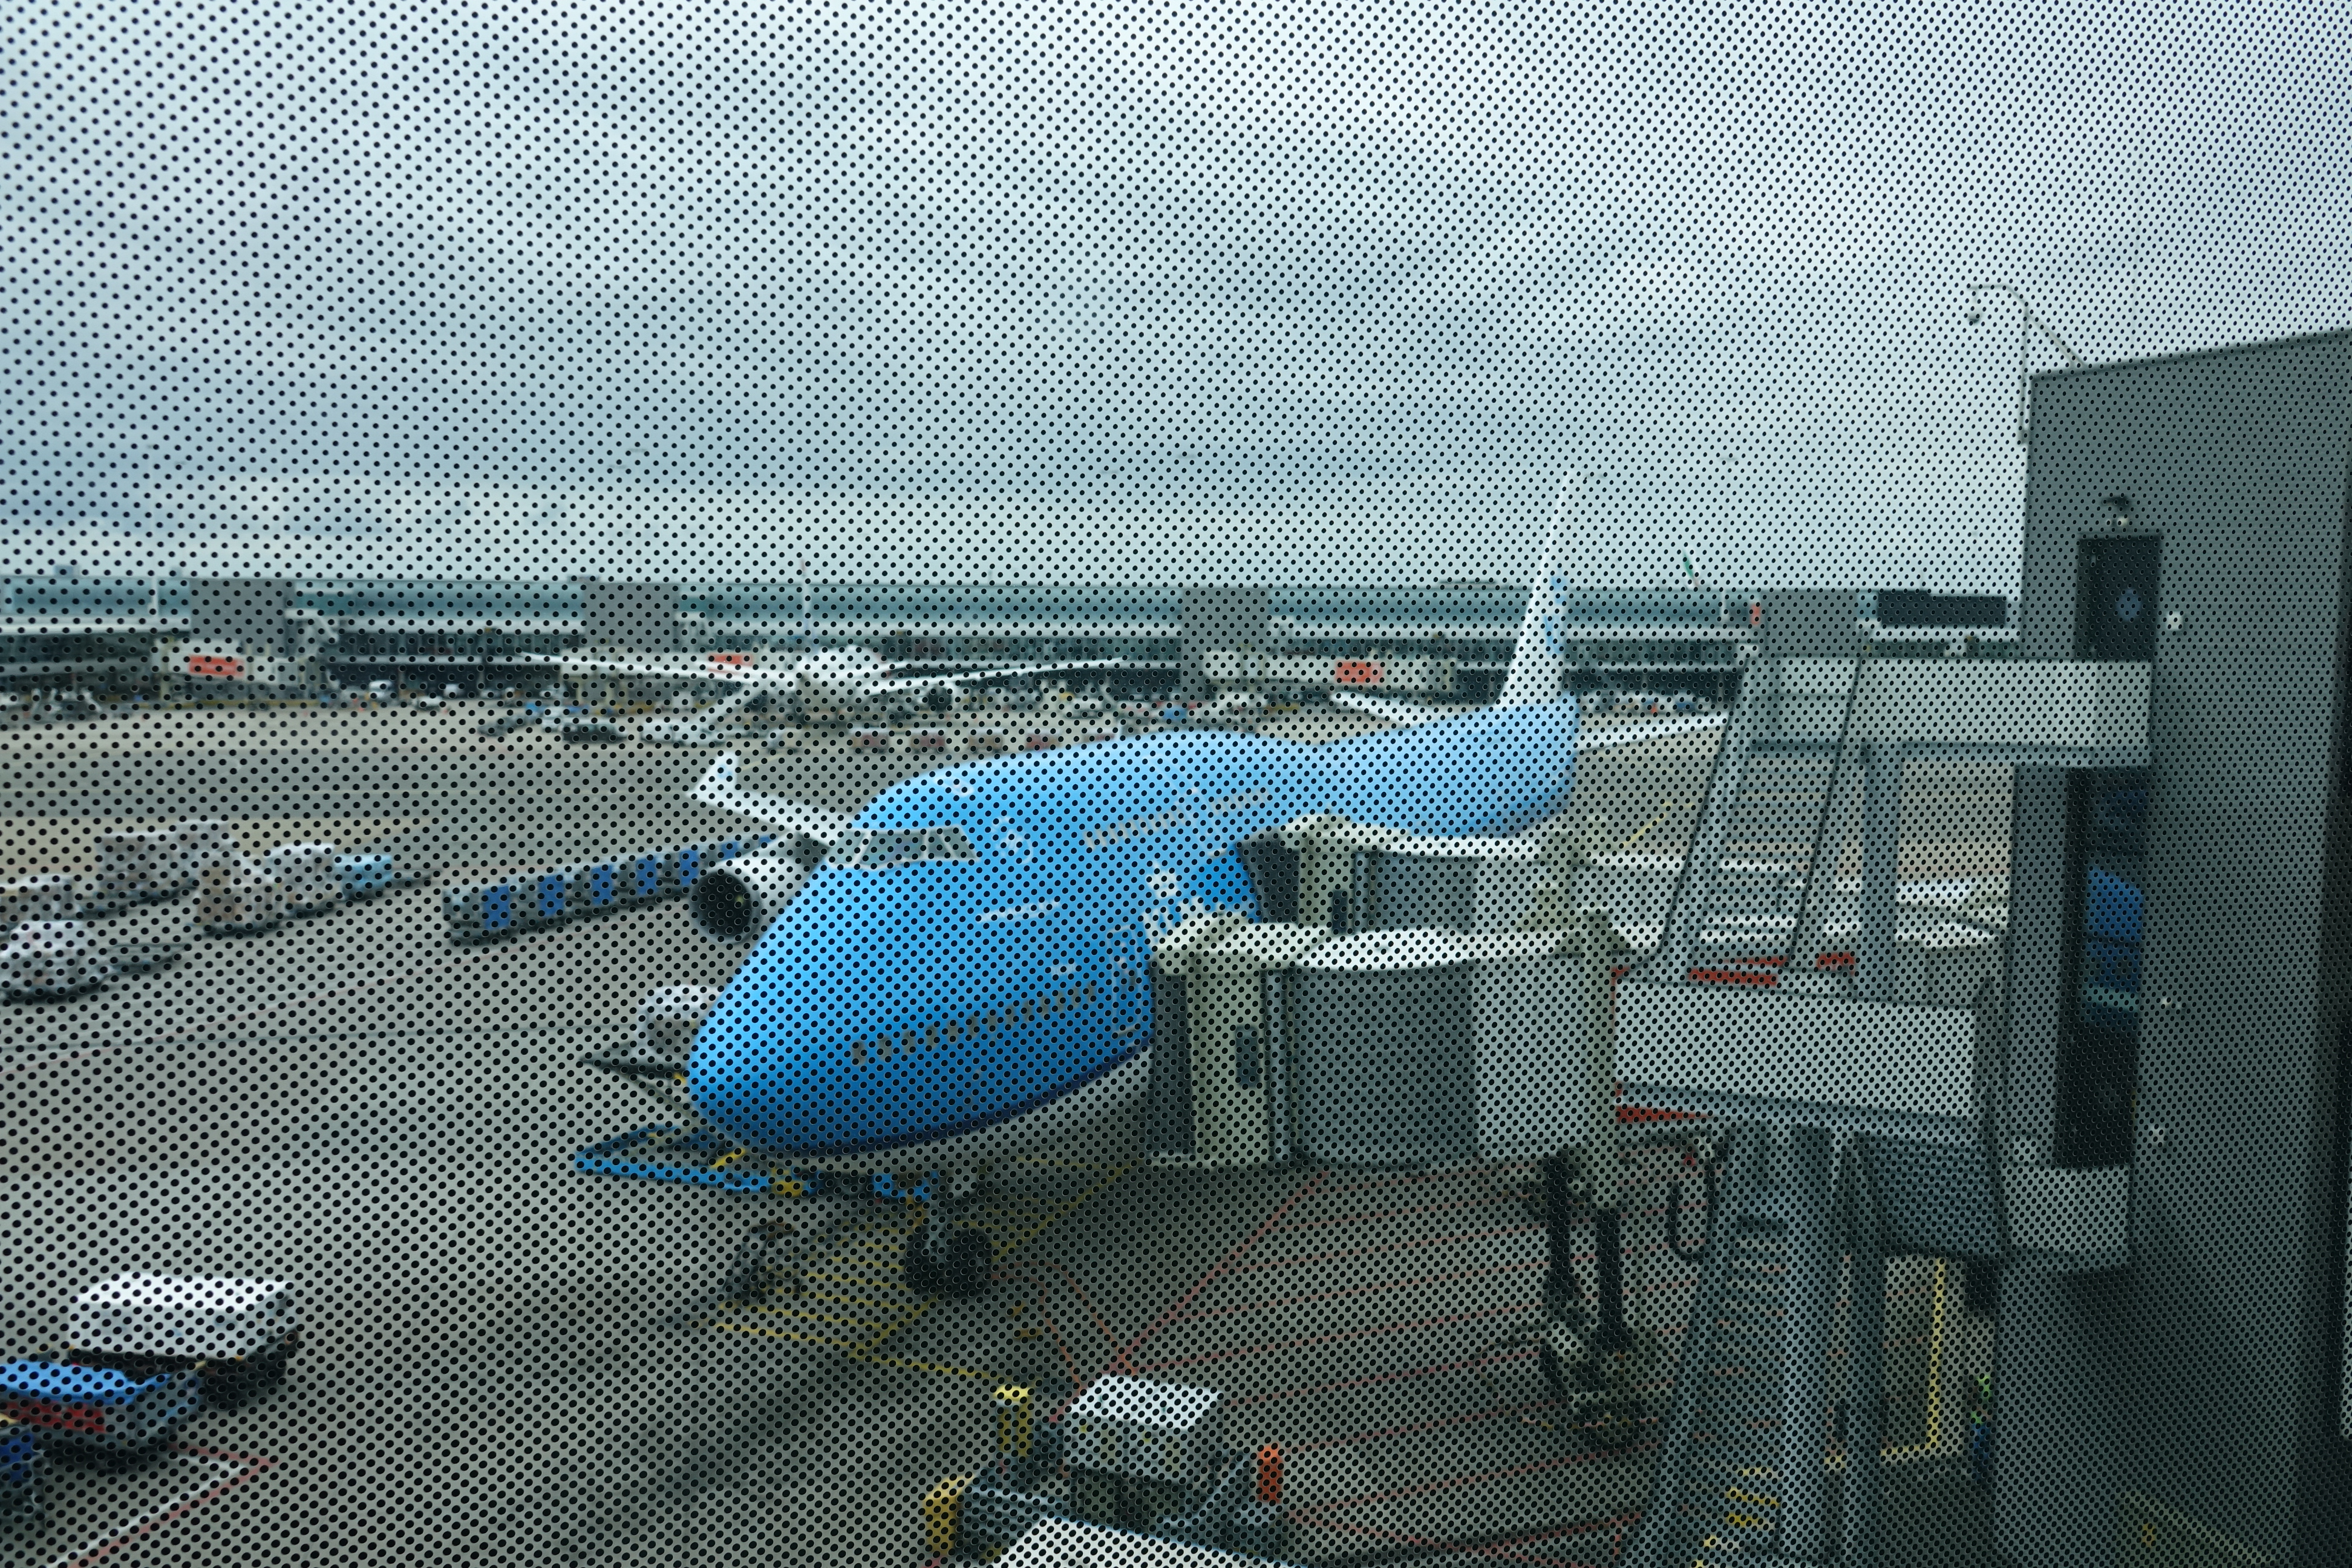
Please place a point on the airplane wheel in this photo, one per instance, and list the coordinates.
(225, 1388)
(968, 1263)
(918, 1272)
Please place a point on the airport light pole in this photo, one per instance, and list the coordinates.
(2027, 325)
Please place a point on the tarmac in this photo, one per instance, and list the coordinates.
(509, 1362)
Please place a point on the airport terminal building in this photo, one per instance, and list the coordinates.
(188, 636)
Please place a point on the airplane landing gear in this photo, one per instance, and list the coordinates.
(766, 1259)
(1602, 1370)
(943, 1258)
(946, 1255)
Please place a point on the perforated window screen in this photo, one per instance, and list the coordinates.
(679, 682)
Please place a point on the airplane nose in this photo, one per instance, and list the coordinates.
(841, 1031)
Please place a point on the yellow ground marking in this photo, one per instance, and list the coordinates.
(820, 1317)
(872, 1234)
(1935, 1436)
(855, 1301)
(1642, 832)
(854, 1280)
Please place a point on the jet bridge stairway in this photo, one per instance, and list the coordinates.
(1784, 779)
(1859, 1126)
(1723, 1489)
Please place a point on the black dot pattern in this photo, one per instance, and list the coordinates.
(1326, 785)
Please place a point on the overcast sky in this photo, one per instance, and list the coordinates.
(1240, 293)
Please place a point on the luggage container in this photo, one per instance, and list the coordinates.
(96, 1407)
(595, 886)
(461, 907)
(49, 959)
(207, 842)
(363, 875)
(306, 873)
(540, 897)
(478, 910)
(145, 936)
(233, 1333)
(1153, 1431)
(141, 868)
(642, 878)
(38, 898)
(237, 895)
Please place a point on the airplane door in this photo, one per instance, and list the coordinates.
(1273, 877)
(1169, 1095)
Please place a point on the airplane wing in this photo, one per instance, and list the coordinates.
(1655, 729)
(719, 788)
(919, 682)
(1587, 740)
(1387, 708)
(738, 675)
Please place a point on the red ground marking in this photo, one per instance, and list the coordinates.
(1403, 1328)
(1076, 1290)
(1051, 1328)
(1369, 1380)
(1124, 1361)
(1419, 1241)
(248, 1466)
(1397, 1214)
(1356, 1290)
(1427, 1177)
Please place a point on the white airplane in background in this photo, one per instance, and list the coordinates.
(829, 678)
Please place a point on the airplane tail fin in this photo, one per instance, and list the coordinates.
(1540, 662)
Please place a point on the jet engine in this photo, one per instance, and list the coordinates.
(732, 903)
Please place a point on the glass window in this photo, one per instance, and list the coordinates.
(887, 849)
(2108, 877)
(950, 844)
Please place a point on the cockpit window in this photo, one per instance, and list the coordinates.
(887, 849)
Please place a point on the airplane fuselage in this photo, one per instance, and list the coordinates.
(975, 956)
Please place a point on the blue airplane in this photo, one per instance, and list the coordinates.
(963, 976)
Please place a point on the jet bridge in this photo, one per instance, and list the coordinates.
(1861, 1122)
(2140, 1120)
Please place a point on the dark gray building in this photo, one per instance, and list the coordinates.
(631, 618)
(1220, 618)
(246, 616)
(2179, 949)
